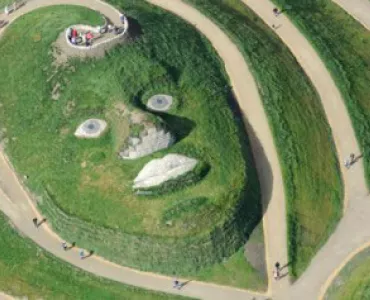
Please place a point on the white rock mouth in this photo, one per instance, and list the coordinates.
(161, 170)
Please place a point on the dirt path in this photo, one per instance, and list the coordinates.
(15, 202)
(354, 229)
(5, 297)
(359, 9)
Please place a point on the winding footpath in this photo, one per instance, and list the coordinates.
(16, 203)
(353, 230)
(5, 297)
(359, 9)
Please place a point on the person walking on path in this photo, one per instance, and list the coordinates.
(122, 18)
(276, 271)
(352, 158)
(65, 246)
(34, 220)
(176, 284)
(347, 163)
(276, 12)
(82, 254)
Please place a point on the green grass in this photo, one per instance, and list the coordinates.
(353, 281)
(4, 3)
(301, 133)
(27, 270)
(83, 189)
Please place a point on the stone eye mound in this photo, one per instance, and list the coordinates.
(92, 128)
(160, 103)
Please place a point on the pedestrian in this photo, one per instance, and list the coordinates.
(122, 18)
(277, 266)
(347, 163)
(65, 246)
(69, 33)
(276, 274)
(82, 254)
(176, 284)
(276, 12)
(34, 220)
(352, 158)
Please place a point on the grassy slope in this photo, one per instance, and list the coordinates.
(353, 282)
(27, 270)
(3, 3)
(343, 43)
(188, 67)
(94, 88)
(302, 135)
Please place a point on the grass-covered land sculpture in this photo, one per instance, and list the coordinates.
(84, 186)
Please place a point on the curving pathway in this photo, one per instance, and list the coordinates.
(359, 9)
(16, 203)
(354, 228)
(5, 297)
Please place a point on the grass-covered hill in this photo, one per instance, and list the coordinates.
(83, 188)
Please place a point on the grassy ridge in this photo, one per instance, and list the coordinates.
(343, 44)
(301, 132)
(27, 270)
(353, 281)
(94, 205)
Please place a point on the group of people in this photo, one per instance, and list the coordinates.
(65, 246)
(77, 38)
(10, 8)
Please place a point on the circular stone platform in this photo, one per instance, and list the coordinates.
(160, 102)
(92, 128)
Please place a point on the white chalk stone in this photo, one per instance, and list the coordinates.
(161, 170)
(154, 140)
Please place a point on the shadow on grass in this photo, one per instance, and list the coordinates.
(257, 160)
(134, 30)
(180, 126)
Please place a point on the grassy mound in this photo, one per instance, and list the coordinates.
(353, 281)
(82, 187)
(26, 270)
(301, 132)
